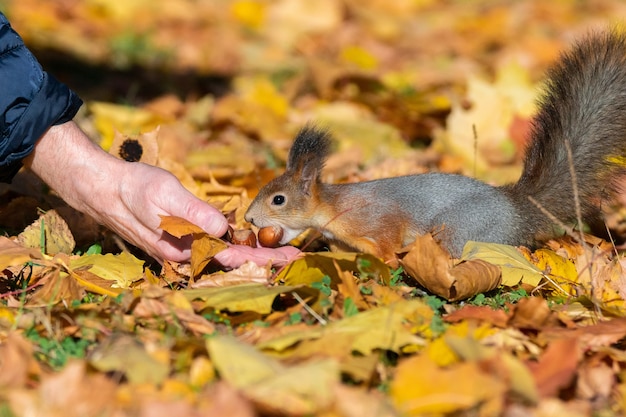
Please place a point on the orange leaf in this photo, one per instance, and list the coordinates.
(203, 248)
(557, 366)
(178, 227)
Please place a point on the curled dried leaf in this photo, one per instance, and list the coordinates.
(431, 266)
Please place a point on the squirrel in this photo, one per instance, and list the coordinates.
(582, 111)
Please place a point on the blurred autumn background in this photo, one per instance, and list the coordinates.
(214, 91)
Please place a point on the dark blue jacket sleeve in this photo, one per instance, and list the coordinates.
(30, 101)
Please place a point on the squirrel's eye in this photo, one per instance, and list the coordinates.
(278, 200)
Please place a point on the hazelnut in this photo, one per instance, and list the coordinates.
(243, 237)
(270, 236)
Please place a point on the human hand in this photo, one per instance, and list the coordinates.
(129, 197)
(146, 193)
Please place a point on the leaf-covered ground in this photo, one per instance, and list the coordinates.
(214, 91)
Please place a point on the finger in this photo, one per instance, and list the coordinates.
(201, 214)
(236, 255)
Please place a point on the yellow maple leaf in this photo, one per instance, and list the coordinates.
(122, 269)
(421, 387)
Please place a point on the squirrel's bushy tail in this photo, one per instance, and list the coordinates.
(584, 105)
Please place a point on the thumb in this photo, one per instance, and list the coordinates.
(203, 215)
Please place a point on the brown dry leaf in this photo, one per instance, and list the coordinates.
(14, 254)
(602, 279)
(420, 387)
(595, 380)
(355, 402)
(172, 307)
(203, 248)
(603, 333)
(427, 262)
(485, 314)
(57, 239)
(531, 313)
(556, 367)
(224, 400)
(57, 286)
(349, 289)
(18, 212)
(72, 392)
(248, 273)
(125, 354)
(17, 361)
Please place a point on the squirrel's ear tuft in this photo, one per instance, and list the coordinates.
(310, 149)
(307, 156)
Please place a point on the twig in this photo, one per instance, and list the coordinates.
(312, 312)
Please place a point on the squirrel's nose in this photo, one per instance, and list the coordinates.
(248, 218)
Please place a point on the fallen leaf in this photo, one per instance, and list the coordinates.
(377, 328)
(72, 392)
(17, 361)
(297, 390)
(126, 355)
(246, 297)
(57, 286)
(422, 388)
(531, 313)
(427, 262)
(57, 237)
(305, 389)
(556, 367)
(248, 273)
(14, 254)
(595, 380)
(485, 314)
(312, 267)
(203, 248)
(354, 402)
(515, 268)
(239, 363)
(123, 269)
(179, 227)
